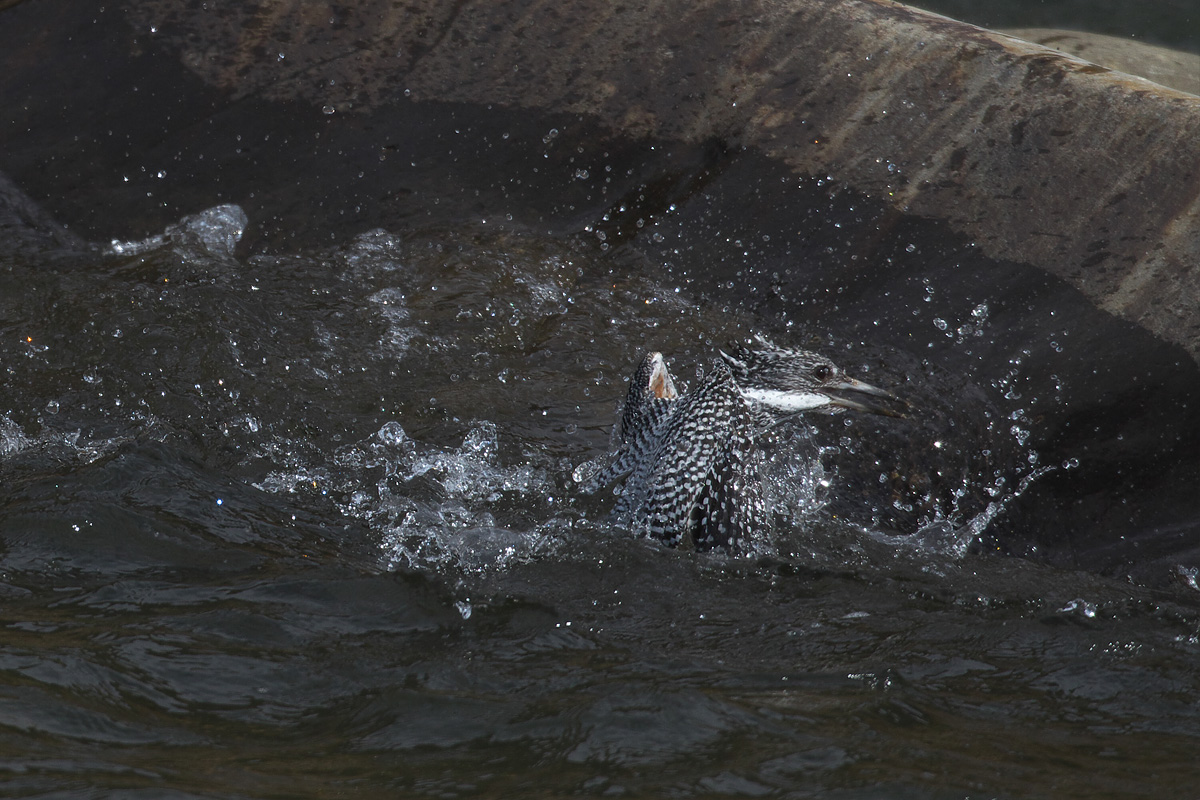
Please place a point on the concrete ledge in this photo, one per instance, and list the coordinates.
(1038, 156)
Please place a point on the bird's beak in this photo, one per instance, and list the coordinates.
(862, 398)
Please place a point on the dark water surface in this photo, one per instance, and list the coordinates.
(307, 526)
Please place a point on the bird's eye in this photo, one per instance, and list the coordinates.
(822, 372)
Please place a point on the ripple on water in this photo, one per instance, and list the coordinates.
(169, 627)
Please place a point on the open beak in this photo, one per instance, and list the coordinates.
(858, 396)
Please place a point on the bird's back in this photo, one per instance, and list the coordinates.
(690, 480)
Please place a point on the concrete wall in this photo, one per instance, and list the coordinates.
(1089, 174)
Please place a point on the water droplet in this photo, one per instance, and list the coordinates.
(1082, 606)
(392, 434)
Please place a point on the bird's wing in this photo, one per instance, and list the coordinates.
(641, 439)
(731, 503)
(694, 440)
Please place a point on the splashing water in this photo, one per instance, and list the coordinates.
(435, 508)
(432, 329)
(12, 439)
(199, 448)
(215, 231)
(951, 535)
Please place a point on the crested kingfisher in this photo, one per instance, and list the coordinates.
(689, 462)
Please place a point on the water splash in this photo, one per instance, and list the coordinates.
(12, 439)
(951, 535)
(400, 328)
(1081, 607)
(435, 508)
(58, 447)
(1188, 576)
(480, 321)
(214, 231)
(796, 480)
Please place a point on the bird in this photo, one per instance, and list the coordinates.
(689, 463)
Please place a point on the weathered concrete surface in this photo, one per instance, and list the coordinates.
(1174, 69)
(1037, 156)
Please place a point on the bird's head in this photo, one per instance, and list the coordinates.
(790, 381)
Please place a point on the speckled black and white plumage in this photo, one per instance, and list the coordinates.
(694, 481)
(647, 405)
(690, 464)
(651, 392)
